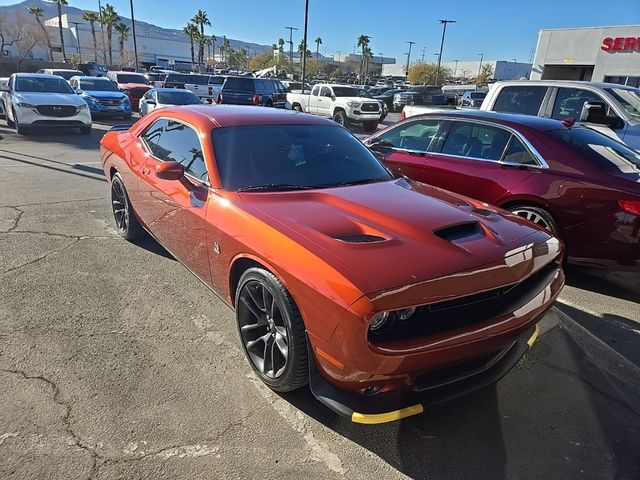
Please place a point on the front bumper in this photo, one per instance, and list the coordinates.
(107, 111)
(388, 407)
(29, 117)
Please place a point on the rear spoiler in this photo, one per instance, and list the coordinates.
(120, 128)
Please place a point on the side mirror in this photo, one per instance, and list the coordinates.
(596, 112)
(79, 91)
(150, 101)
(170, 171)
(333, 97)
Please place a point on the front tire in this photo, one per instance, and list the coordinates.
(126, 222)
(370, 126)
(340, 118)
(296, 107)
(271, 330)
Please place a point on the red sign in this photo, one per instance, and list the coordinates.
(621, 44)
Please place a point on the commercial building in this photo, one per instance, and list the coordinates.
(502, 69)
(599, 54)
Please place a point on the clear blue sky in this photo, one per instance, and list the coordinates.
(502, 29)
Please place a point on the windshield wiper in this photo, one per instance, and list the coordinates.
(355, 182)
(275, 187)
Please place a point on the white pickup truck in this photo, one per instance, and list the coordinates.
(340, 102)
(412, 110)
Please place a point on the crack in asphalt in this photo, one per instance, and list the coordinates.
(60, 202)
(42, 257)
(77, 441)
(17, 219)
(573, 373)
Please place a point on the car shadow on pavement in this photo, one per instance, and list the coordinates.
(151, 245)
(622, 285)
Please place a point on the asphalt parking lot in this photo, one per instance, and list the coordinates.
(115, 362)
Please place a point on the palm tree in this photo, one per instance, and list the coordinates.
(363, 41)
(213, 39)
(368, 54)
(318, 42)
(110, 18)
(92, 18)
(191, 30)
(59, 4)
(201, 19)
(37, 12)
(281, 43)
(123, 30)
(225, 48)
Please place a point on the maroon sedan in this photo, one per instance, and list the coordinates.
(577, 183)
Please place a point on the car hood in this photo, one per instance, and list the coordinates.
(105, 95)
(386, 235)
(134, 85)
(49, 98)
(356, 99)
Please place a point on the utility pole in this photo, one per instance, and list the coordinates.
(480, 66)
(455, 70)
(409, 56)
(75, 24)
(304, 42)
(423, 50)
(513, 72)
(133, 28)
(104, 47)
(291, 29)
(381, 62)
(444, 31)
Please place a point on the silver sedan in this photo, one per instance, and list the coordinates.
(166, 97)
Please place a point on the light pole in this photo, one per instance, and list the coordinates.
(409, 56)
(338, 52)
(75, 24)
(513, 73)
(291, 29)
(381, 62)
(133, 29)
(304, 42)
(104, 46)
(444, 31)
(455, 70)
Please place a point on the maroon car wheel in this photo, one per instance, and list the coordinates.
(271, 330)
(126, 221)
(536, 215)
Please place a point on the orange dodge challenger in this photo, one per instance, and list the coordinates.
(383, 294)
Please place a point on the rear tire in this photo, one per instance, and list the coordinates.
(271, 330)
(297, 107)
(85, 130)
(20, 130)
(536, 215)
(126, 221)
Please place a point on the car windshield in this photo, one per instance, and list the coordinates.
(477, 95)
(178, 97)
(42, 85)
(601, 150)
(132, 78)
(629, 99)
(66, 74)
(293, 157)
(98, 86)
(345, 92)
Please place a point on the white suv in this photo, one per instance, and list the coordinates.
(38, 100)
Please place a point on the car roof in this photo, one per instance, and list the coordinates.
(125, 72)
(245, 115)
(508, 119)
(178, 90)
(36, 75)
(89, 77)
(573, 83)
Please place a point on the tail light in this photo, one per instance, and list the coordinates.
(256, 99)
(220, 98)
(630, 206)
(403, 116)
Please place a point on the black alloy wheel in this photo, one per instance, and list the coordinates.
(271, 330)
(126, 221)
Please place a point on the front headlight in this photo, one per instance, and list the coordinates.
(353, 104)
(25, 105)
(383, 322)
(83, 106)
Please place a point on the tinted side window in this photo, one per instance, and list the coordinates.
(518, 153)
(315, 90)
(239, 84)
(415, 136)
(263, 86)
(569, 102)
(520, 99)
(476, 141)
(180, 143)
(152, 135)
(325, 92)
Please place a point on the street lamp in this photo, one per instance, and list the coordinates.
(480, 66)
(291, 29)
(513, 73)
(75, 24)
(455, 70)
(304, 42)
(409, 56)
(381, 62)
(133, 29)
(444, 31)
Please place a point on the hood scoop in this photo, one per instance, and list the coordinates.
(460, 232)
(360, 238)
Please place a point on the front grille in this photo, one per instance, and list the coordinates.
(360, 238)
(464, 311)
(109, 103)
(370, 107)
(59, 111)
